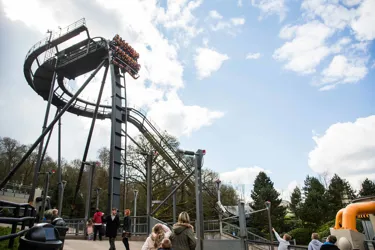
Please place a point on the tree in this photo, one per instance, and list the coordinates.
(335, 195)
(313, 211)
(264, 191)
(367, 188)
(296, 201)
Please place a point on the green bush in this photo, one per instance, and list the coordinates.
(301, 235)
(323, 230)
(4, 244)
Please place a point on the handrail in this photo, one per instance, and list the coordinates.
(11, 220)
(42, 42)
(14, 235)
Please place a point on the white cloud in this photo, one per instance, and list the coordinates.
(333, 15)
(215, 15)
(242, 175)
(220, 24)
(178, 15)
(363, 24)
(309, 44)
(346, 149)
(236, 21)
(242, 180)
(181, 119)
(208, 61)
(239, 3)
(253, 56)
(342, 70)
(306, 49)
(270, 7)
(287, 192)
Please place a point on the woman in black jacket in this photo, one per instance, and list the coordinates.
(127, 228)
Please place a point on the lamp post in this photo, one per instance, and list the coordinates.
(45, 192)
(268, 206)
(63, 185)
(97, 196)
(218, 185)
(135, 209)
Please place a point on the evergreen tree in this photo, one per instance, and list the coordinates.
(368, 188)
(338, 195)
(264, 191)
(296, 201)
(313, 210)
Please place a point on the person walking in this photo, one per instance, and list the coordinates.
(98, 224)
(315, 244)
(159, 233)
(126, 229)
(183, 237)
(112, 225)
(283, 242)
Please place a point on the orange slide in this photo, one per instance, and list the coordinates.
(347, 216)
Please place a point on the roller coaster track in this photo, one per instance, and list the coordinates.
(93, 50)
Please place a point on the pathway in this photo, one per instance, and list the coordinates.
(99, 245)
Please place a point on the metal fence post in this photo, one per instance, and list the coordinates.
(198, 160)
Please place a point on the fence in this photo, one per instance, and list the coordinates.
(23, 215)
(77, 226)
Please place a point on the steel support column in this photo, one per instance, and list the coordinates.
(90, 174)
(198, 162)
(60, 184)
(174, 206)
(149, 188)
(48, 138)
(90, 135)
(41, 137)
(116, 140)
(126, 141)
(39, 157)
(45, 194)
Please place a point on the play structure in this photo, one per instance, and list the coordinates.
(345, 229)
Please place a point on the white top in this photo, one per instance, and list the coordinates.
(283, 244)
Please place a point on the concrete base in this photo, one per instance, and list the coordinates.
(348, 239)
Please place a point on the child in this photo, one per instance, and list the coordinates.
(166, 244)
(283, 242)
(90, 230)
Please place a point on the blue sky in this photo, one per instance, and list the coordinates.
(249, 114)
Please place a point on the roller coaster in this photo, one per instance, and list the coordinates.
(46, 63)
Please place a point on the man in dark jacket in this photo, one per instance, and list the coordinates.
(113, 224)
(330, 243)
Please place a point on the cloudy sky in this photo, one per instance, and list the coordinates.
(281, 86)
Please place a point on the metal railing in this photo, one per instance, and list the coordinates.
(56, 34)
(19, 219)
(261, 245)
(78, 226)
(234, 230)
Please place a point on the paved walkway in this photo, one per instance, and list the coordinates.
(99, 245)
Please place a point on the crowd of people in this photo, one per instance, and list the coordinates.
(123, 51)
(125, 46)
(181, 237)
(315, 243)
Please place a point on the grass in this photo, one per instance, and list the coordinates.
(4, 244)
